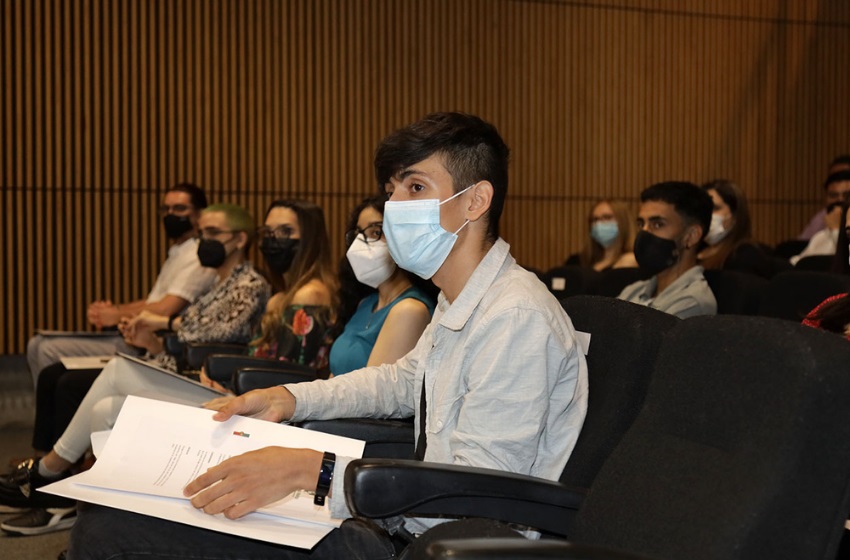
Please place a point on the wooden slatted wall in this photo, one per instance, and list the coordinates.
(105, 102)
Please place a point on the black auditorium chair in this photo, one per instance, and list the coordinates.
(789, 248)
(566, 281)
(612, 281)
(243, 373)
(737, 293)
(818, 263)
(625, 338)
(736, 454)
(792, 295)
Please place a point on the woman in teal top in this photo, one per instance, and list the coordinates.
(392, 312)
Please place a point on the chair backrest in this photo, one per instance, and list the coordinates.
(819, 263)
(251, 378)
(566, 281)
(612, 281)
(789, 248)
(791, 295)
(739, 452)
(737, 293)
(625, 338)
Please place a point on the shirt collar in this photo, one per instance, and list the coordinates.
(178, 247)
(685, 279)
(456, 314)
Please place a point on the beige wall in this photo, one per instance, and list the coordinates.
(105, 102)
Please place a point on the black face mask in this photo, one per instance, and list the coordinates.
(654, 254)
(176, 226)
(211, 253)
(279, 253)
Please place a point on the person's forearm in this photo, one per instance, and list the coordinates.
(130, 309)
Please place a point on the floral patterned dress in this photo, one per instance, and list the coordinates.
(305, 338)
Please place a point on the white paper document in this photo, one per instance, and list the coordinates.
(85, 362)
(156, 448)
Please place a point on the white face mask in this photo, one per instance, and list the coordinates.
(371, 262)
(716, 233)
(417, 241)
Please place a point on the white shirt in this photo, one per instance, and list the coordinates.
(182, 275)
(506, 382)
(821, 243)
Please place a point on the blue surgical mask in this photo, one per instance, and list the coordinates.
(604, 233)
(417, 241)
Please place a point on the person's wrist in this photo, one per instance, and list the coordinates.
(325, 478)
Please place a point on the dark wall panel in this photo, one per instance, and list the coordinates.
(104, 103)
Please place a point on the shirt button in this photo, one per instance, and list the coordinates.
(439, 424)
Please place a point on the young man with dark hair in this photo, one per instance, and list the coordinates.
(496, 380)
(837, 189)
(180, 281)
(833, 193)
(673, 219)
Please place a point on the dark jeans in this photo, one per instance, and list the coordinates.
(107, 534)
(102, 533)
(58, 395)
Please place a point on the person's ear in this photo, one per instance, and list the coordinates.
(479, 202)
(241, 240)
(693, 236)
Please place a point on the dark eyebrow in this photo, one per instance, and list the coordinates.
(404, 173)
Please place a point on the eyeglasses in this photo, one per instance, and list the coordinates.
(372, 232)
(179, 209)
(279, 232)
(212, 233)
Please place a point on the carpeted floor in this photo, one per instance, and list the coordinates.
(16, 413)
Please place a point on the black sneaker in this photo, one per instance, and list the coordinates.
(18, 489)
(39, 521)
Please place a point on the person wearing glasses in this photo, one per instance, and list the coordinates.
(383, 308)
(180, 281)
(229, 312)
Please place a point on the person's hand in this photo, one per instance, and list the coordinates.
(205, 380)
(847, 330)
(218, 403)
(140, 334)
(833, 217)
(247, 482)
(148, 320)
(103, 314)
(274, 404)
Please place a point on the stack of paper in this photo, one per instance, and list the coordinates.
(156, 448)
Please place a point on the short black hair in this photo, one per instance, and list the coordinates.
(837, 177)
(196, 194)
(473, 150)
(691, 202)
(843, 159)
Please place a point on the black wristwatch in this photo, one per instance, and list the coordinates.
(326, 475)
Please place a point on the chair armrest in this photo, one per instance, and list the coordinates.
(379, 488)
(518, 549)
(172, 344)
(390, 439)
(223, 367)
(196, 353)
(248, 379)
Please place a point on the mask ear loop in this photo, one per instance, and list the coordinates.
(457, 194)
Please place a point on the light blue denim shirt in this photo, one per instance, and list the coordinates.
(506, 381)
